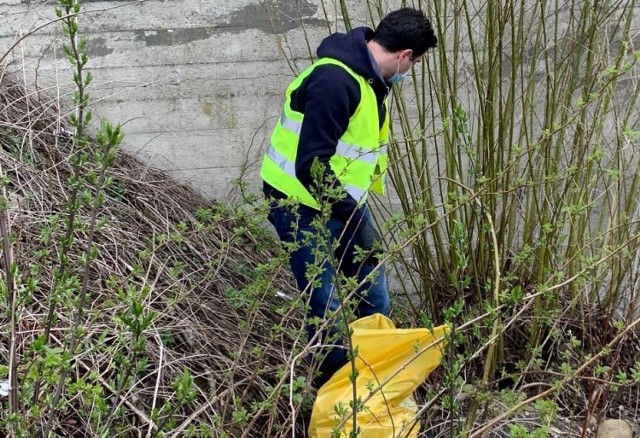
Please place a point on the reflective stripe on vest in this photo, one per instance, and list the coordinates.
(289, 167)
(347, 150)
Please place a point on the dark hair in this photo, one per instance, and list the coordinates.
(406, 28)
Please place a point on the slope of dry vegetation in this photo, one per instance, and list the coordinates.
(182, 326)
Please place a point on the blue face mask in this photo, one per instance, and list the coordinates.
(398, 77)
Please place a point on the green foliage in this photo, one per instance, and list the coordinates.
(519, 431)
(514, 170)
(48, 368)
(530, 177)
(519, 218)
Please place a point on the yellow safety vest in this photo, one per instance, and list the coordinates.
(361, 158)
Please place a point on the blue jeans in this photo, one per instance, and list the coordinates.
(372, 297)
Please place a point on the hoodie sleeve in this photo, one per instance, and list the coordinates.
(327, 98)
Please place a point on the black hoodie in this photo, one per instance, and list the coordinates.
(328, 98)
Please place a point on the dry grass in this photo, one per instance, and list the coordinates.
(152, 238)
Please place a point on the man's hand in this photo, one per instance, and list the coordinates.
(369, 240)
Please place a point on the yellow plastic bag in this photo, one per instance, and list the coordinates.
(401, 356)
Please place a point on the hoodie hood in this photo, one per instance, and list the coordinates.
(351, 49)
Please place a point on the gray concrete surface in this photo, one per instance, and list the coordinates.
(197, 85)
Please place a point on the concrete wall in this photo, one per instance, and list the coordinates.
(197, 84)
